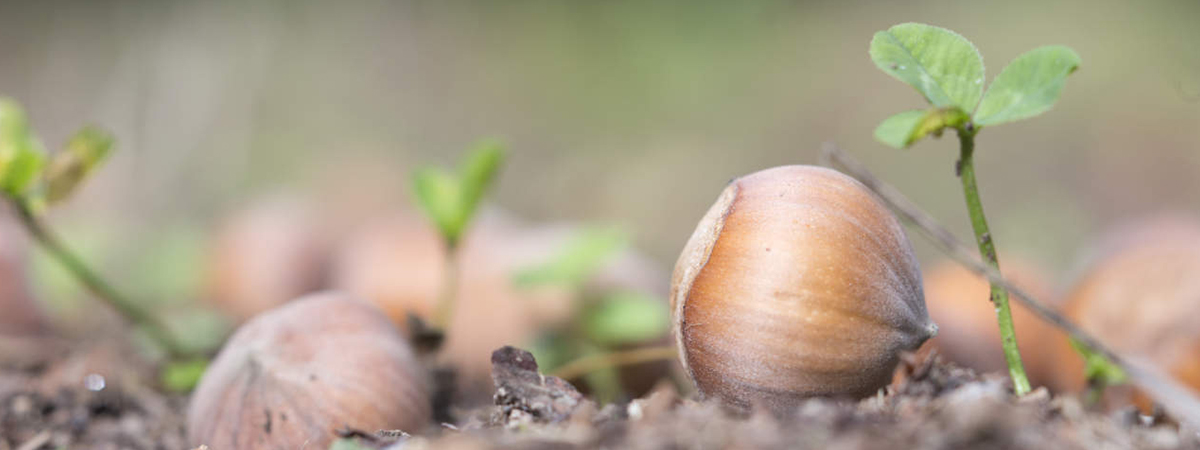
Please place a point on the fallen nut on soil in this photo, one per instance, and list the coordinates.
(292, 376)
(798, 282)
(1140, 296)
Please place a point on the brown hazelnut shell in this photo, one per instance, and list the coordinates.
(798, 282)
(290, 377)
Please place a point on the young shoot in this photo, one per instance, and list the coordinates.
(449, 199)
(947, 70)
(610, 329)
(28, 184)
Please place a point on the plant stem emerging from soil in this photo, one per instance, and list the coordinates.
(592, 363)
(987, 248)
(445, 305)
(49, 241)
(1177, 399)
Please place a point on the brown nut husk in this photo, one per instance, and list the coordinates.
(290, 377)
(1140, 297)
(399, 265)
(268, 253)
(798, 282)
(959, 301)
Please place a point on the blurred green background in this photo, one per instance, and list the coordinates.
(633, 113)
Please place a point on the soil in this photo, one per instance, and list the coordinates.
(931, 405)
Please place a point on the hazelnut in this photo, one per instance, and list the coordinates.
(1140, 298)
(398, 265)
(290, 377)
(959, 302)
(798, 282)
(22, 315)
(266, 254)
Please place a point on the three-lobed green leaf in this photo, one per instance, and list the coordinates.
(947, 69)
(942, 65)
(451, 199)
(1028, 86)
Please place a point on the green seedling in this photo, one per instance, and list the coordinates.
(589, 344)
(948, 71)
(28, 184)
(450, 200)
(1099, 372)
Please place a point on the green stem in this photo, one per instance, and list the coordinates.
(444, 309)
(983, 237)
(45, 237)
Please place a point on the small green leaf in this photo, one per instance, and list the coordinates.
(450, 200)
(942, 65)
(347, 444)
(577, 262)
(1097, 368)
(479, 172)
(13, 125)
(24, 169)
(1029, 85)
(626, 318)
(183, 376)
(902, 130)
(439, 194)
(83, 153)
(897, 131)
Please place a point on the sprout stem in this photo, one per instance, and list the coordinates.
(155, 328)
(592, 363)
(444, 310)
(987, 248)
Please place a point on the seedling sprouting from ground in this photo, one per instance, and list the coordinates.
(596, 340)
(1099, 372)
(450, 200)
(948, 71)
(29, 183)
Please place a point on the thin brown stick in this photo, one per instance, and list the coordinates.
(1173, 396)
(592, 363)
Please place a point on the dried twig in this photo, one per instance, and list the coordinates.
(1174, 397)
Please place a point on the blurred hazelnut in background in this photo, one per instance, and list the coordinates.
(270, 251)
(21, 314)
(1140, 295)
(398, 263)
(959, 301)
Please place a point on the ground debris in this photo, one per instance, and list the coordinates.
(523, 395)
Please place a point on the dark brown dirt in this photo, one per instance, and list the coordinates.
(88, 398)
(931, 406)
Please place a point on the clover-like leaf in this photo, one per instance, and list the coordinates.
(1028, 86)
(626, 318)
(897, 131)
(902, 130)
(578, 260)
(942, 65)
(83, 153)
